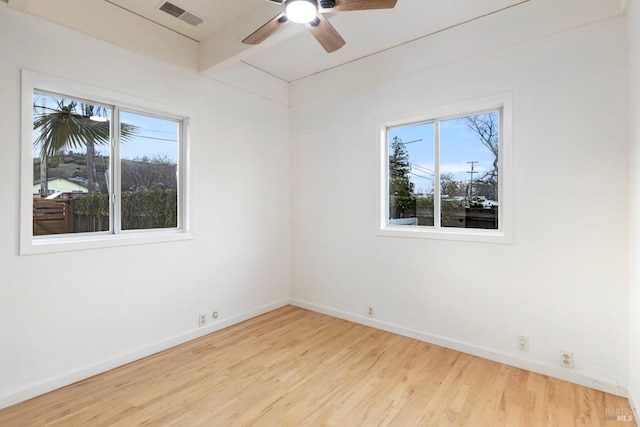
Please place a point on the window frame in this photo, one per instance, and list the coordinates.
(29, 244)
(504, 233)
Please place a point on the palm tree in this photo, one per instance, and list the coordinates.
(69, 127)
(73, 126)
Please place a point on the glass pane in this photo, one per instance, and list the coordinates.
(71, 157)
(469, 171)
(411, 166)
(149, 168)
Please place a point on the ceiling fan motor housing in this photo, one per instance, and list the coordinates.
(312, 14)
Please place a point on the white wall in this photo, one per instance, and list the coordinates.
(634, 95)
(68, 315)
(564, 280)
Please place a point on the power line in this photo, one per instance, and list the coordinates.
(421, 168)
(409, 142)
(421, 176)
(154, 137)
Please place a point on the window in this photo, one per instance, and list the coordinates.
(444, 173)
(100, 170)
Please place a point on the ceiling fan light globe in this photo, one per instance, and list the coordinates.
(300, 11)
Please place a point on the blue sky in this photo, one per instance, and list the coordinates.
(458, 145)
(155, 137)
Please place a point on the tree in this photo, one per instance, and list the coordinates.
(69, 126)
(399, 170)
(488, 130)
(72, 126)
(158, 172)
(448, 186)
(402, 199)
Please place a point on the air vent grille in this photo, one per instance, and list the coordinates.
(181, 14)
(190, 18)
(172, 9)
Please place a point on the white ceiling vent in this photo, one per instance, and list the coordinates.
(181, 14)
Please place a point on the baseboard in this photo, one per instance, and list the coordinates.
(484, 352)
(35, 389)
(633, 402)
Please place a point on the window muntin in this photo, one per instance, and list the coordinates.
(114, 235)
(440, 152)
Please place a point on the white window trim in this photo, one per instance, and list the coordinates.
(504, 234)
(32, 81)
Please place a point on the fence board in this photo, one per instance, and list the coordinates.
(52, 217)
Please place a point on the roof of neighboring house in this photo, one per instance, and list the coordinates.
(82, 182)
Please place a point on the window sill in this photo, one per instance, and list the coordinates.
(52, 244)
(455, 234)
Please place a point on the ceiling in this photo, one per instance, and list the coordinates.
(290, 55)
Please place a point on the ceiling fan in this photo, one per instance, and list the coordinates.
(311, 13)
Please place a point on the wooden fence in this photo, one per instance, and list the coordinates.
(462, 217)
(57, 217)
(52, 216)
(140, 210)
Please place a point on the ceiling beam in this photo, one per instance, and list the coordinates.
(225, 48)
(106, 21)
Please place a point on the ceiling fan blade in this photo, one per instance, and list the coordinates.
(276, 1)
(346, 5)
(324, 32)
(261, 34)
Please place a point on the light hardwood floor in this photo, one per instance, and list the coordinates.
(293, 367)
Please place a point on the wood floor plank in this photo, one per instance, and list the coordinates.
(293, 367)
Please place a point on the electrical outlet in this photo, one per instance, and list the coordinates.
(215, 315)
(202, 319)
(370, 311)
(566, 359)
(522, 342)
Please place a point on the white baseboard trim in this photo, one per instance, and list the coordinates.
(634, 407)
(484, 352)
(41, 387)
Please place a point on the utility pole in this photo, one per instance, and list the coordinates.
(471, 172)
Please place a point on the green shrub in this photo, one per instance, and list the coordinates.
(140, 210)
